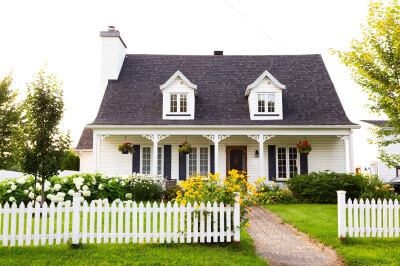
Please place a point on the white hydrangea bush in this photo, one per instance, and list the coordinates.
(98, 186)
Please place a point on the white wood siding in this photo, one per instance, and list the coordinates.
(86, 162)
(178, 86)
(265, 86)
(384, 172)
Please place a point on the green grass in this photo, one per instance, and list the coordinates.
(135, 254)
(320, 222)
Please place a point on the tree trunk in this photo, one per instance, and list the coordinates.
(42, 194)
(34, 193)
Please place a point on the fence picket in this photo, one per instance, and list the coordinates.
(176, 219)
(91, 223)
(215, 221)
(37, 224)
(189, 223)
(162, 229)
(202, 223)
(99, 222)
(5, 224)
(44, 224)
(384, 216)
(379, 218)
(84, 222)
(51, 223)
(134, 219)
(182, 223)
(13, 224)
(21, 217)
(390, 214)
(373, 216)
(367, 218)
(141, 211)
(228, 224)
(106, 222)
(155, 224)
(169, 210)
(148, 222)
(59, 219)
(350, 217)
(127, 222)
(113, 222)
(362, 210)
(209, 234)
(66, 221)
(120, 222)
(1, 222)
(396, 218)
(355, 209)
(221, 222)
(196, 222)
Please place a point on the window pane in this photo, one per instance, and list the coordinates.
(261, 103)
(204, 161)
(282, 162)
(193, 162)
(271, 103)
(146, 160)
(174, 103)
(292, 162)
(159, 161)
(183, 102)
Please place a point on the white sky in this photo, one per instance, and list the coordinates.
(66, 35)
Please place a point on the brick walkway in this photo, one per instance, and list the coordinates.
(279, 245)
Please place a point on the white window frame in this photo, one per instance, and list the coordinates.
(178, 106)
(198, 159)
(287, 163)
(266, 102)
(162, 161)
(141, 158)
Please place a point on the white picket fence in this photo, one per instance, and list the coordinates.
(367, 218)
(4, 174)
(122, 223)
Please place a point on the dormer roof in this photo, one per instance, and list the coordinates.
(180, 75)
(260, 78)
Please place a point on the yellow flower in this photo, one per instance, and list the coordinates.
(183, 202)
(247, 225)
(254, 203)
(198, 206)
(236, 187)
(250, 210)
(248, 216)
(196, 192)
(192, 196)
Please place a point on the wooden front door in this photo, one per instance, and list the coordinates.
(236, 158)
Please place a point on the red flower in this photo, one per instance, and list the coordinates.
(126, 144)
(194, 149)
(185, 142)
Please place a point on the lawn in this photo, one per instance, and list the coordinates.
(320, 222)
(135, 254)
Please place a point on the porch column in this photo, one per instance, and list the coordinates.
(216, 138)
(351, 153)
(154, 160)
(346, 152)
(261, 139)
(94, 156)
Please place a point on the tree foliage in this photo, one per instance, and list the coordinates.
(10, 113)
(375, 65)
(45, 146)
(71, 162)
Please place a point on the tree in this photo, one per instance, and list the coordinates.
(375, 65)
(45, 146)
(10, 113)
(71, 162)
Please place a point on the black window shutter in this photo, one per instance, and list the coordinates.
(136, 159)
(212, 159)
(303, 164)
(182, 166)
(167, 161)
(271, 162)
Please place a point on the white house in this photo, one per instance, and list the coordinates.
(238, 112)
(377, 166)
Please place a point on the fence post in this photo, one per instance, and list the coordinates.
(341, 203)
(76, 217)
(236, 219)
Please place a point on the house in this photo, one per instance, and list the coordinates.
(237, 111)
(376, 166)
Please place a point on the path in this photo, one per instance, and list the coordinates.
(279, 245)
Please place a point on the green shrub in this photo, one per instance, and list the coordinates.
(321, 187)
(273, 194)
(170, 192)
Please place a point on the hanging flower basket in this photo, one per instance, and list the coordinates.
(185, 148)
(126, 148)
(303, 147)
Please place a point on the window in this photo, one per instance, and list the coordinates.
(266, 103)
(397, 171)
(178, 103)
(198, 161)
(146, 160)
(159, 161)
(286, 162)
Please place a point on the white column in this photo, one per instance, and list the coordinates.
(155, 153)
(261, 154)
(346, 152)
(94, 152)
(341, 203)
(216, 169)
(351, 149)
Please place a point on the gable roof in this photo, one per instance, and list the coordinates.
(86, 140)
(174, 76)
(310, 97)
(376, 122)
(260, 78)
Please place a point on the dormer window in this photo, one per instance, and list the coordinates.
(266, 102)
(178, 103)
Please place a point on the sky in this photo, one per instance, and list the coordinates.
(65, 35)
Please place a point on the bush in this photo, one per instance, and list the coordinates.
(321, 187)
(273, 194)
(95, 186)
(171, 192)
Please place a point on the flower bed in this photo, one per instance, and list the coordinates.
(95, 186)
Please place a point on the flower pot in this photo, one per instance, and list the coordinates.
(125, 151)
(186, 152)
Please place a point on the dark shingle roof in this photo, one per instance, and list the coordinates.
(135, 98)
(86, 140)
(376, 122)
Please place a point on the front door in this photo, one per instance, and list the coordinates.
(236, 158)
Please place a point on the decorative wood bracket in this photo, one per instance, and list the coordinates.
(159, 137)
(220, 137)
(257, 137)
(102, 137)
(345, 137)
